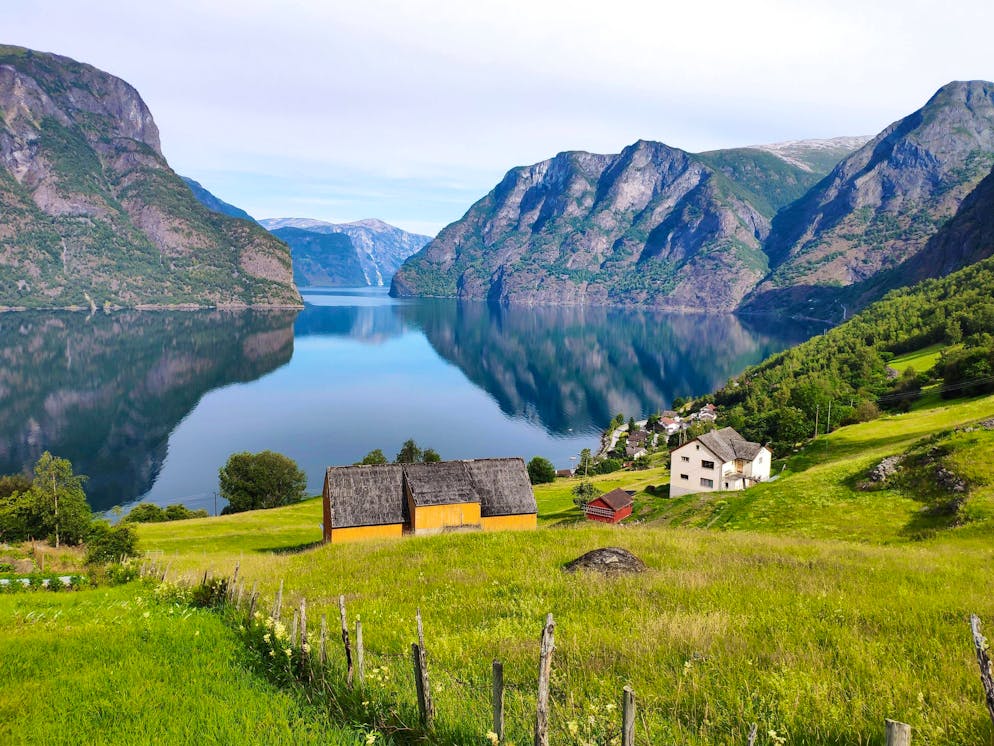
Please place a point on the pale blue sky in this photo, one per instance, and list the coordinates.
(411, 111)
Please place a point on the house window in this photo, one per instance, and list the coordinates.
(697, 447)
(707, 464)
(707, 482)
(685, 459)
(684, 476)
(726, 485)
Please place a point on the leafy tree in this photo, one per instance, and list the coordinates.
(250, 481)
(57, 503)
(641, 463)
(586, 462)
(374, 458)
(410, 453)
(146, 513)
(11, 483)
(631, 424)
(541, 471)
(430, 456)
(106, 543)
(608, 466)
(652, 421)
(182, 513)
(583, 493)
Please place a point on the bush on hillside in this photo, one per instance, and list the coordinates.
(106, 543)
(541, 471)
(250, 481)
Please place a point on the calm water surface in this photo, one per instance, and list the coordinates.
(150, 404)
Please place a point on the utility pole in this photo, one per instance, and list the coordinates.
(828, 427)
(817, 407)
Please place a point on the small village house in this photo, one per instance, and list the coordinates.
(609, 508)
(368, 502)
(564, 472)
(717, 461)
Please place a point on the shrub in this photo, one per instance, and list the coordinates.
(608, 466)
(106, 543)
(250, 481)
(146, 513)
(541, 471)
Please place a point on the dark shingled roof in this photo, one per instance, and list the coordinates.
(440, 483)
(366, 495)
(616, 499)
(728, 445)
(375, 495)
(503, 486)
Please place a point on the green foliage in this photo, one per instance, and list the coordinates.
(541, 471)
(409, 453)
(53, 506)
(584, 492)
(968, 371)
(250, 481)
(182, 513)
(374, 458)
(145, 513)
(430, 456)
(106, 543)
(607, 466)
(13, 483)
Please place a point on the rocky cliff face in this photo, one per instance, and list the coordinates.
(91, 213)
(379, 249)
(652, 226)
(755, 229)
(881, 205)
(322, 259)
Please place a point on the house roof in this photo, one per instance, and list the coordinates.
(440, 483)
(728, 445)
(616, 499)
(366, 495)
(375, 495)
(503, 486)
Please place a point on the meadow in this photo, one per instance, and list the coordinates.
(805, 605)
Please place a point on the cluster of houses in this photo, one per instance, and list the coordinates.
(668, 423)
(366, 502)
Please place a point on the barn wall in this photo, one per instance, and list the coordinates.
(362, 533)
(436, 518)
(510, 522)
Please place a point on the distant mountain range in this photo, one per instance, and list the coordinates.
(809, 227)
(92, 215)
(366, 252)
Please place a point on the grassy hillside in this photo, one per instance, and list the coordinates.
(112, 666)
(827, 610)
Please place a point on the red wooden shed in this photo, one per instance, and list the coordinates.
(610, 508)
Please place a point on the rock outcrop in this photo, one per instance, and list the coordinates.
(91, 214)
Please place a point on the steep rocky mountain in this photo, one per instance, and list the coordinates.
(380, 249)
(881, 205)
(211, 202)
(322, 259)
(815, 156)
(653, 225)
(91, 214)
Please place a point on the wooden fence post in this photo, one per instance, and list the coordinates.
(425, 704)
(544, 670)
(426, 710)
(984, 661)
(345, 640)
(360, 654)
(293, 628)
(898, 734)
(498, 700)
(323, 654)
(628, 717)
(234, 582)
(753, 732)
(278, 603)
(253, 600)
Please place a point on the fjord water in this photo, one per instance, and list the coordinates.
(150, 404)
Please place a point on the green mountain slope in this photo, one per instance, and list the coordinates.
(91, 213)
(212, 202)
(322, 259)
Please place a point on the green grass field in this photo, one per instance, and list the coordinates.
(115, 666)
(816, 611)
(920, 360)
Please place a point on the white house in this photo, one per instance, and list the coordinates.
(717, 461)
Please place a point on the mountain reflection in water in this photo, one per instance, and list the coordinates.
(142, 402)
